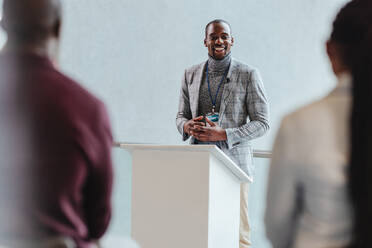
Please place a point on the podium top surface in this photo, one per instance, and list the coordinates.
(242, 176)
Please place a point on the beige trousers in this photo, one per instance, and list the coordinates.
(244, 229)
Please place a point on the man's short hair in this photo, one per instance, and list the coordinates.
(217, 21)
(30, 19)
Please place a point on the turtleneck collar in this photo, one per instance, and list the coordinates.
(215, 65)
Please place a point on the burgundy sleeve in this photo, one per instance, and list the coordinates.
(99, 188)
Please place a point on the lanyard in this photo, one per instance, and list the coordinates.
(218, 89)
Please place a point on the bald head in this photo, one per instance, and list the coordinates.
(31, 19)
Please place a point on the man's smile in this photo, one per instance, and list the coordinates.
(219, 49)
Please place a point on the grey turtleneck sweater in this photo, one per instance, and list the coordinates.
(216, 71)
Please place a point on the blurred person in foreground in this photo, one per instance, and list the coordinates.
(320, 191)
(56, 174)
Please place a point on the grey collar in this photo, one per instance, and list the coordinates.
(215, 65)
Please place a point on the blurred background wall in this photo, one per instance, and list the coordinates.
(132, 54)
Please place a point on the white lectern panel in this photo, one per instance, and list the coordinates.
(169, 199)
(184, 196)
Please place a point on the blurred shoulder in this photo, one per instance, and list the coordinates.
(311, 116)
(74, 91)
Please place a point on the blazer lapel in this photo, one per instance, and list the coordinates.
(229, 86)
(195, 88)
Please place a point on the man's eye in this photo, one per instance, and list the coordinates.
(223, 37)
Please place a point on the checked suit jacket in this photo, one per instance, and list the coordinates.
(243, 109)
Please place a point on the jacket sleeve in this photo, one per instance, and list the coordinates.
(100, 179)
(284, 195)
(258, 113)
(184, 111)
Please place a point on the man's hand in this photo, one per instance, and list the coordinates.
(211, 133)
(191, 124)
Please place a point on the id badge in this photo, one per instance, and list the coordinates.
(214, 117)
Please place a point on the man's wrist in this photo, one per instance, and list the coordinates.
(223, 134)
(185, 128)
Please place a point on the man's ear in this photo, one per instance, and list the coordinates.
(205, 42)
(57, 29)
(232, 41)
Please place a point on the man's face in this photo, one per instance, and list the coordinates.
(218, 40)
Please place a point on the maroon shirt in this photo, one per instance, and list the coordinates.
(70, 174)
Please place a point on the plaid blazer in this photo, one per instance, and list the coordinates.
(243, 110)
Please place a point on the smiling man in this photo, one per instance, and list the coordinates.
(223, 102)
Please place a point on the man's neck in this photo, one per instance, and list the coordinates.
(219, 65)
(46, 49)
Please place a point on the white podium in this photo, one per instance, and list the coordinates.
(185, 196)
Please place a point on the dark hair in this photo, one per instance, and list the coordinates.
(352, 30)
(216, 21)
(30, 20)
